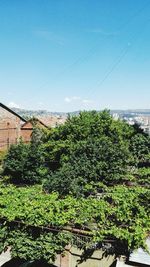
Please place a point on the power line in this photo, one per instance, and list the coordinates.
(114, 65)
(91, 51)
(116, 62)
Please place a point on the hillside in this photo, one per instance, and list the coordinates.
(41, 113)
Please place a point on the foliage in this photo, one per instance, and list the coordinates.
(87, 165)
(34, 168)
(2, 156)
(91, 149)
(26, 214)
(15, 161)
(140, 148)
(143, 176)
(24, 163)
(91, 163)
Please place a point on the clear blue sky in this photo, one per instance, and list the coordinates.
(65, 55)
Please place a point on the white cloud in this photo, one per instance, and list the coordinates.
(76, 98)
(67, 99)
(87, 101)
(13, 105)
(79, 100)
(73, 98)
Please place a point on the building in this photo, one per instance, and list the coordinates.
(13, 127)
(138, 258)
(27, 128)
(71, 258)
(10, 127)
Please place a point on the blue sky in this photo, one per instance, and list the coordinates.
(66, 55)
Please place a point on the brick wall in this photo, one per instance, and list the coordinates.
(26, 132)
(27, 128)
(26, 135)
(9, 128)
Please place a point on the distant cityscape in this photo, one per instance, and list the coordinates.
(139, 116)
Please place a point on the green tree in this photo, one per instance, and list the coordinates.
(89, 151)
(88, 161)
(92, 149)
(96, 163)
(24, 164)
(140, 148)
(34, 168)
(14, 162)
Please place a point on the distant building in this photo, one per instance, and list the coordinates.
(52, 121)
(143, 120)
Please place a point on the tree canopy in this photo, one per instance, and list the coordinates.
(94, 175)
(92, 150)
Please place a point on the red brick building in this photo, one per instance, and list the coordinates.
(27, 128)
(10, 127)
(13, 127)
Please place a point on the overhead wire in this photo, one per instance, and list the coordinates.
(112, 67)
(92, 50)
(116, 62)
